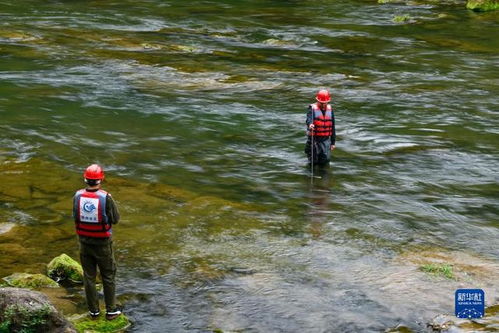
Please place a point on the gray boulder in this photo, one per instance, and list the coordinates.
(30, 311)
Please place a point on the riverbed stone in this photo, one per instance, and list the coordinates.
(17, 36)
(482, 5)
(64, 267)
(277, 42)
(30, 281)
(5, 227)
(399, 329)
(23, 310)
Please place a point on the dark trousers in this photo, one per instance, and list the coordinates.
(321, 150)
(95, 253)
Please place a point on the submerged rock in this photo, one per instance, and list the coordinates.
(6, 227)
(83, 323)
(184, 48)
(23, 310)
(489, 323)
(17, 36)
(31, 281)
(64, 267)
(452, 265)
(482, 5)
(277, 42)
(399, 329)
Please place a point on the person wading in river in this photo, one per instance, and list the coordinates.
(94, 213)
(321, 131)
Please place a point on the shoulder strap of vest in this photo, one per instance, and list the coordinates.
(101, 192)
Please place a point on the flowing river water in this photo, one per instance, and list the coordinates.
(196, 110)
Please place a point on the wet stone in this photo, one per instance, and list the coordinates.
(5, 227)
(23, 310)
(449, 323)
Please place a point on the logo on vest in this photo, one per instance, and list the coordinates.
(89, 207)
(89, 211)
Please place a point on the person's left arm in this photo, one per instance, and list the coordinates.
(112, 212)
(75, 209)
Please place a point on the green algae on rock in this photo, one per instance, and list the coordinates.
(444, 270)
(401, 18)
(30, 281)
(83, 323)
(64, 267)
(482, 5)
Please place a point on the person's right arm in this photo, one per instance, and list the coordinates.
(310, 118)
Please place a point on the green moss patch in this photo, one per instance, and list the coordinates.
(444, 270)
(64, 267)
(30, 281)
(482, 5)
(401, 18)
(17, 318)
(86, 324)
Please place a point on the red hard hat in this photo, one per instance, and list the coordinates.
(323, 96)
(94, 172)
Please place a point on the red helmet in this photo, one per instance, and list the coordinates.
(323, 96)
(94, 172)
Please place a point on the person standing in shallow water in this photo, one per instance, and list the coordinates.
(321, 129)
(94, 213)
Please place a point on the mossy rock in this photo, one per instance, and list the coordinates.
(24, 310)
(64, 267)
(83, 323)
(482, 5)
(30, 281)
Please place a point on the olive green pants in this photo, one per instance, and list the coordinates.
(98, 252)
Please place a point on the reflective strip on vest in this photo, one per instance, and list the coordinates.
(91, 218)
(323, 122)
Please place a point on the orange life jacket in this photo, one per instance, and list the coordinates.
(323, 122)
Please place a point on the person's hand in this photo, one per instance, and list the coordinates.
(311, 126)
(333, 147)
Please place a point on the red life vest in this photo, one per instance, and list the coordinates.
(90, 214)
(323, 122)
